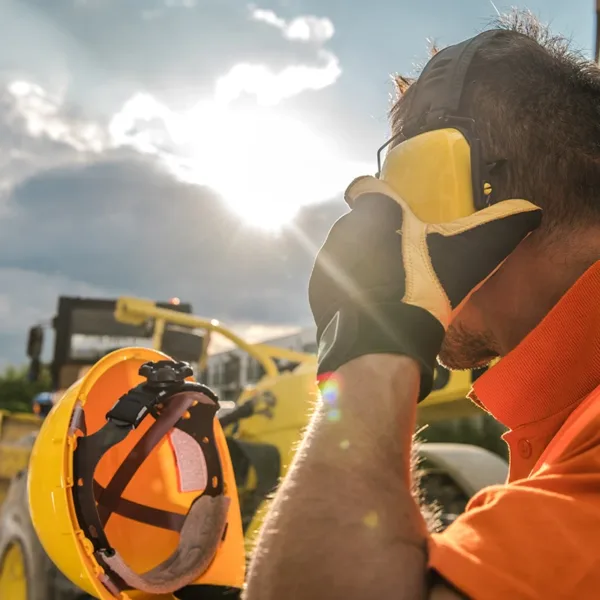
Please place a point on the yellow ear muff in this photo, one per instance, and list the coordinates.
(431, 172)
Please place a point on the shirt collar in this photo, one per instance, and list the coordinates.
(554, 367)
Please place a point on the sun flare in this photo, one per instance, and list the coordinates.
(265, 164)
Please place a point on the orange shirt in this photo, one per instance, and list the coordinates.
(538, 537)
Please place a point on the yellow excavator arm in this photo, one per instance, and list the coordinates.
(136, 311)
(448, 401)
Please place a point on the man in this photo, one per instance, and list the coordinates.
(389, 293)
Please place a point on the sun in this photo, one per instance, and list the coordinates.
(264, 163)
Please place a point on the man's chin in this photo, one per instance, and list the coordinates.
(463, 349)
(454, 363)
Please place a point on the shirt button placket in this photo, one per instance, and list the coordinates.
(524, 448)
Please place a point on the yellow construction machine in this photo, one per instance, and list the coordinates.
(262, 426)
(270, 415)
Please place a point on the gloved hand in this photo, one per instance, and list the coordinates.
(385, 282)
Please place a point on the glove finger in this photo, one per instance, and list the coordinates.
(362, 251)
(501, 210)
(367, 186)
(357, 186)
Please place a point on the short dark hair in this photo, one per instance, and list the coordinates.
(536, 103)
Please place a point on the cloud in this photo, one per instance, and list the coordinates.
(124, 227)
(271, 148)
(269, 87)
(276, 165)
(146, 124)
(193, 140)
(310, 29)
(129, 165)
(38, 133)
(264, 163)
(267, 16)
(138, 230)
(304, 28)
(41, 114)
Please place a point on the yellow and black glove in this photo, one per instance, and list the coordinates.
(385, 282)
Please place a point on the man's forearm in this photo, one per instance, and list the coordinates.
(344, 523)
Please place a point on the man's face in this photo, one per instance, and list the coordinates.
(498, 315)
(507, 307)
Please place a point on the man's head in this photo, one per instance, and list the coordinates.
(536, 105)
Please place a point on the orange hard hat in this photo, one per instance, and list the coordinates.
(131, 487)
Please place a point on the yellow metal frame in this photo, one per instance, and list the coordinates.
(13, 573)
(294, 404)
(14, 455)
(25, 418)
(135, 311)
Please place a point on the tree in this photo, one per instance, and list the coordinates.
(17, 392)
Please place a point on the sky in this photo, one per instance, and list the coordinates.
(198, 148)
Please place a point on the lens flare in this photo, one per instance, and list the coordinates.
(371, 519)
(330, 393)
(330, 390)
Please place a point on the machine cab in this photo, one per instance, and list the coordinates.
(85, 329)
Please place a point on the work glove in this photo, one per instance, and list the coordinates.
(385, 282)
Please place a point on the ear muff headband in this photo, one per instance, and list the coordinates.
(200, 530)
(438, 91)
(435, 103)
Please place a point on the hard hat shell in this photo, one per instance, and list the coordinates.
(142, 546)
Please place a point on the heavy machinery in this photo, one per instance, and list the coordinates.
(263, 426)
(84, 330)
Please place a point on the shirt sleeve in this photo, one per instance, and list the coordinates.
(532, 539)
